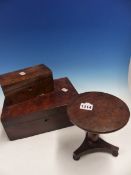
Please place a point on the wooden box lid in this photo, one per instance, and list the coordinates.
(26, 83)
(61, 96)
(10, 78)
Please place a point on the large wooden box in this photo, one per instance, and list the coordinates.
(26, 83)
(43, 113)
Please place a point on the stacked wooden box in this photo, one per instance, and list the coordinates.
(34, 102)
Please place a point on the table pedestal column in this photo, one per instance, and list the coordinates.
(93, 143)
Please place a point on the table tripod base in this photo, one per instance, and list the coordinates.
(92, 143)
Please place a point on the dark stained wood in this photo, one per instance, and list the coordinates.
(91, 146)
(37, 79)
(46, 112)
(108, 115)
(48, 120)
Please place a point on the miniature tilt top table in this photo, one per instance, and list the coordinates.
(97, 113)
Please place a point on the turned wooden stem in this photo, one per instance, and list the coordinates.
(93, 137)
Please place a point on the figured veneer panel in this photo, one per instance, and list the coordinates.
(26, 83)
(44, 113)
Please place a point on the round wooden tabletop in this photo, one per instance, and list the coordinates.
(98, 112)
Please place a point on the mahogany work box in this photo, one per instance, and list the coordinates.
(26, 83)
(43, 107)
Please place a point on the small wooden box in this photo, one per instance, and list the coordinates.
(26, 83)
(46, 112)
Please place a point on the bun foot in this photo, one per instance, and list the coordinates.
(76, 157)
(115, 153)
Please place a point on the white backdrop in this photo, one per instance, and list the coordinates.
(51, 153)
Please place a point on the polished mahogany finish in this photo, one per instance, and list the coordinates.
(90, 146)
(26, 83)
(43, 113)
(108, 114)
